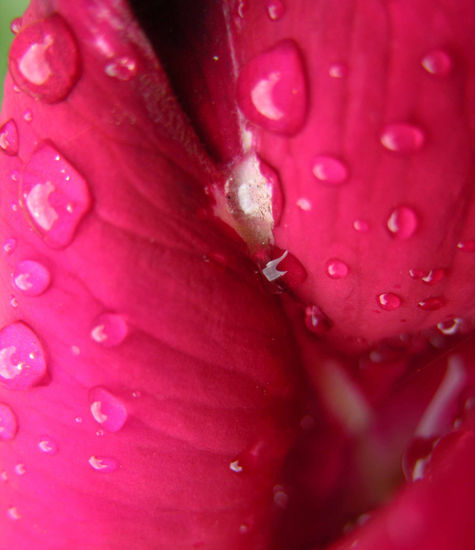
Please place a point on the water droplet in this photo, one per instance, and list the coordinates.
(449, 327)
(9, 137)
(9, 246)
(55, 202)
(437, 62)
(304, 204)
(361, 226)
(272, 89)
(388, 301)
(431, 304)
(4, 476)
(13, 513)
(8, 423)
(271, 271)
(20, 469)
(22, 358)
(235, 466)
(47, 445)
(402, 223)
(433, 276)
(330, 170)
(107, 409)
(122, 68)
(78, 420)
(15, 25)
(466, 246)
(44, 59)
(275, 9)
(13, 302)
(336, 269)
(338, 70)
(281, 498)
(316, 321)
(76, 350)
(28, 116)
(109, 329)
(103, 464)
(402, 138)
(31, 277)
(243, 529)
(285, 267)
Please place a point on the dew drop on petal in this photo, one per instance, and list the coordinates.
(466, 246)
(449, 327)
(109, 329)
(55, 196)
(234, 466)
(433, 276)
(9, 138)
(272, 90)
(330, 170)
(304, 204)
(336, 269)
(13, 301)
(9, 246)
(275, 9)
(388, 301)
(284, 267)
(15, 25)
(338, 70)
(44, 59)
(437, 62)
(122, 68)
(28, 116)
(416, 457)
(107, 409)
(271, 271)
(431, 304)
(316, 321)
(361, 226)
(13, 513)
(22, 357)
(20, 469)
(8, 423)
(103, 464)
(47, 445)
(31, 278)
(402, 138)
(402, 222)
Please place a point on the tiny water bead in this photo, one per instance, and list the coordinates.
(437, 62)
(47, 445)
(44, 59)
(31, 278)
(284, 267)
(275, 9)
(272, 89)
(13, 513)
(22, 357)
(271, 271)
(9, 138)
(15, 25)
(8, 423)
(234, 466)
(304, 204)
(402, 138)
(361, 226)
(431, 304)
(338, 70)
(449, 327)
(109, 329)
(416, 457)
(107, 409)
(55, 196)
(9, 246)
(388, 301)
(430, 277)
(316, 321)
(336, 269)
(466, 246)
(122, 68)
(330, 170)
(28, 116)
(402, 222)
(20, 469)
(103, 464)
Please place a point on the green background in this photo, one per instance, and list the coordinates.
(8, 10)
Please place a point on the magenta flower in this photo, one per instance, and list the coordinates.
(238, 257)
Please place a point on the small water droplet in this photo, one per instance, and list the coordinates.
(9, 246)
(15, 25)
(432, 303)
(402, 138)
(402, 222)
(336, 269)
(388, 301)
(20, 469)
(235, 466)
(22, 358)
(416, 457)
(271, 271)
(433, 276)
(44, 59)
(281, 498)
(107, 409)
(122, 68)
(78, 420)
(109, 329)
(13, 302)
(466, 246)
(76, 350)
(437, 62)
(8, 423)
(449, 327)
(275, 9)
(361, 226)
(4, 476)
(103, 464)
(47, 445)
(316, 321)
(28, 116)
(9, 137)
(100, 433)
(330, 170)
(272, 90)
(338, 70)
(304, 204)
(54, 205)
(15, 176)
(285, 267)
(13, 513)
(31, 278)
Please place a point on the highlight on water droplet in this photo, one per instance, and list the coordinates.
(402, 138)
(235, 466)
(109, 329)
(304, 204)
(103, 463)
(47, 445)
(31, 278)
(388, 301)
(22, 357)
(329, 170)
(107, 409)
(271, 271)
(337, 269)
(449, 327)
(9, 246)
(123, 68)
(9, 138)
(402, 222)
(275, 9)
(44, 59)
(316, 321)
(8, 423)
(55, 196)
(272, 89)
(466, 246)
(437, 62)
(432, 303)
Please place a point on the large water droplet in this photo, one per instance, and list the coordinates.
(8, 423)
(9, 137)
(336, 269)
(330, 170)
(107, 409)
(388, 301)
(103, 463)
(47, 445)
(55, 195)
(122, 68)
(316, 321)
(275, 9)
(31, 277)
(272, 89)
(466, 246)
(402, 222)
(44, 59)
(402, 138)
(109, 329)
(22, 358)
(432, 303)
(437, 62)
